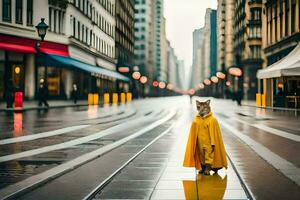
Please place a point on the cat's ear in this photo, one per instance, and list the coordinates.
(207, 102)
(198, 102)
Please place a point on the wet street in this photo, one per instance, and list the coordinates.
(135, 151)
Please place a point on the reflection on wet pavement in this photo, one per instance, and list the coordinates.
(205, 187)
(18, 124)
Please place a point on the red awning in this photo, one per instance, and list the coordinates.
(25, 45)
(54, 49)
(16, 44)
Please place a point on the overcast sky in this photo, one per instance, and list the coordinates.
(183, 16)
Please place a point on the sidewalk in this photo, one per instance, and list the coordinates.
(33, 105)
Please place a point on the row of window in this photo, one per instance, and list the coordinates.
(7, 11)
(126, 12)
(255, 32)
(89, 10)
(281, 15)
(86, 6)
(255, 52)
(256, 14)
(56, 20)
(88, 37)
(124, 42)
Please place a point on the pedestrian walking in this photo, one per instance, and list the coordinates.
(239, 97)
(9, 94)
(43, 94)
(205, 148)
(75, 93)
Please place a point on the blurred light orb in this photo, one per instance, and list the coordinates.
(170, 86)
(155, 83)
(207, 82)
(228, 83)
(201, 85)
(143, 79)
(192, 91)
(234, 71)
(136, 75)
(162, 85)
(123, 69)
(214, 79)
(221, 75)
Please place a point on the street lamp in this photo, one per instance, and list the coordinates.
(42, 29)
(143, 80)
(236, 73)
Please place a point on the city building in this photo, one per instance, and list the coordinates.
(144, 37)
(281, 35)
(210, 44)
(150, 40)
(248, 43)
(79, 47)
(124, 37)
(196, 76)
(225, 34)
(163, 70)
(181, 75)
(172, 63)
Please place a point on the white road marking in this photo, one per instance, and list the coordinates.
(42, 135)
(78, 141)
(64, 130)
(272, 130)
(33, 181)
(287, 168)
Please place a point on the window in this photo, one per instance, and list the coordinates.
(74, 27)
(293, 13)
(287, 10)
(6, 10)
(19, 11)
(255, 52)
(29, 12)
(78, 30)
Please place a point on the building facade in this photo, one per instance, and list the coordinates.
(79, 47)
(125, 36)
(172, 63)
(281, 34)
(144, 37)
(248, 43)
(225, 34)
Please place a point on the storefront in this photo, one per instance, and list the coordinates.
(62, 72)
(16, 56)
(281, 81)
(23, 64)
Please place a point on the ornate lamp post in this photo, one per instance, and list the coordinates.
(42, 29)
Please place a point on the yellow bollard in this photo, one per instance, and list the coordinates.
(115, 98)
(91, 99)
(123, 98)
(129, 96)
(263, 100)
(96, 98)
(258, 99)
(106, 98)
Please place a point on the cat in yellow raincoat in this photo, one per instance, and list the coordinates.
(205, 148)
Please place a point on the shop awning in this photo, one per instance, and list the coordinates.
(16, 44)
(287, 66)
(26, 45)
(94, 70)
(54, 48)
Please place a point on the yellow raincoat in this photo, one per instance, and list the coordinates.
(206, 131)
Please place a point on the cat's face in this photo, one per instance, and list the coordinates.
(203, 108)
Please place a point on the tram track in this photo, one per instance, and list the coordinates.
(20, 188)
